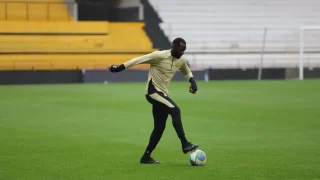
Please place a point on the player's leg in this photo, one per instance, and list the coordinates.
(160, 116)
(175, 113)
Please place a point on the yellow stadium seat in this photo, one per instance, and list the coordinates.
(38, 12)
(64, 61)
(117, 39)
(71, 45)
(58, 12)
(2, 11)
(35, 10)
(16, 11)
(73, 28)
(131, 33)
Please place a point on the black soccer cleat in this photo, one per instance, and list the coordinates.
(148, 160)
(187, 147)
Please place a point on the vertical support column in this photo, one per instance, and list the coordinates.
(75, 11)
(141, 16)
(301, 54)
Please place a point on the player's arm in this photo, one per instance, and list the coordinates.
(189, 76)
(145, 59)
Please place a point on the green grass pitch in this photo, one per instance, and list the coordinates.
(248, 129)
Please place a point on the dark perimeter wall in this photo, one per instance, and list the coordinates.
(102, 76)
(40, 77)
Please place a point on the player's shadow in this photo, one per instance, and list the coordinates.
(181, 165)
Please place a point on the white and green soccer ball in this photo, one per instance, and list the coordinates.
(197, 158)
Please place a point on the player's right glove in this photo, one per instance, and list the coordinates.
(115, 68)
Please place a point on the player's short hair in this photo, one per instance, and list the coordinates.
(179, 40)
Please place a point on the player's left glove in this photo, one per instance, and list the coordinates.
(115, 68)
(193, 87)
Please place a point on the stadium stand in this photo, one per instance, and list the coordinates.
(53, 28)
(70, 45)
(63, 61)
(229, 33)
(41, 35)
(73, 37)
(34, 10)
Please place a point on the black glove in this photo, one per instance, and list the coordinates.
(115, 68)
(193, 87)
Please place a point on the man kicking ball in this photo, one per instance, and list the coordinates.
(163, 66)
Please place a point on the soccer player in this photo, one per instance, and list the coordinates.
(163, 66)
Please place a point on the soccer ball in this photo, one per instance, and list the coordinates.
(197, 158)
